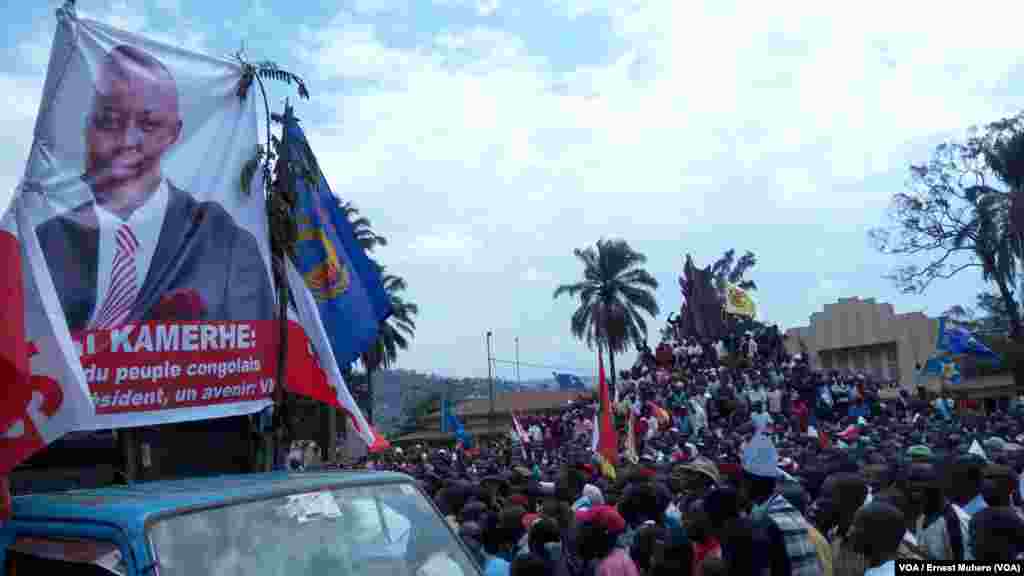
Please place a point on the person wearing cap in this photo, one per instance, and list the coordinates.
(919, 453)
(782, 544)
(599, 529)
(695, 478)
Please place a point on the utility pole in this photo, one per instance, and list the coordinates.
(490, 379)
(519, 383)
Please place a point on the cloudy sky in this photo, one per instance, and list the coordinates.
(488, 138)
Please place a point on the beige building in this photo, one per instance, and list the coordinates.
(865, 336)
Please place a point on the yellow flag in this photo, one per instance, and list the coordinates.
(739, 302)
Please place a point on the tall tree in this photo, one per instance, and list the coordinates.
(362, 228)
(614, 291)
(956, 213)
(394, 335)
(729, 269)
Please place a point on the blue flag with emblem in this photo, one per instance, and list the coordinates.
(958, 340)
(455, 426)
(943, 366)
(346, 284)
(445, 409)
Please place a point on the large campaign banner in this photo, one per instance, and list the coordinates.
(144, 270)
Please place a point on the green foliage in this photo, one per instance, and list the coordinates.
(614, 291)
(416, 412)
(729, 269)
(362, 228)
(269, 71)
(397, 331)
(956, 213)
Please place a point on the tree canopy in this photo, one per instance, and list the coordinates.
(955, 215)
(613, 295)
(732, 270)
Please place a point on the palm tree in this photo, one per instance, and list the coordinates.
(361, 227)
(394, 334)
(614, 290)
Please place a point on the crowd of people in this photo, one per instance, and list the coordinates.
(736, 458)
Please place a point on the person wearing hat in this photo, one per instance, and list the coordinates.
(599, 529)
(782, 544)
(695, 478)
(919, 453)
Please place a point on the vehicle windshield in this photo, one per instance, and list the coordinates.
(385, 529)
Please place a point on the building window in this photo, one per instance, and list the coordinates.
(891, 353)
(859, 359)
(876, 362)
(893, 371)
(842, 362)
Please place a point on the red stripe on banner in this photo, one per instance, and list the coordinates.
(14, 373)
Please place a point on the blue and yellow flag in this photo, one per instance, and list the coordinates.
(345, 283)
(958, 340)
(455, 426)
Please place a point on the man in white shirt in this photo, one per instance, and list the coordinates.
(774, 400)
(760, 418)
(756, 394)
(144, 249)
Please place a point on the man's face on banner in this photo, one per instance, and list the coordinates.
(133, 121)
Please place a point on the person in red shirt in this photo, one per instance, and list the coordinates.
(802, 413)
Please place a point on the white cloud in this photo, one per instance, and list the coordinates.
(22, 90)
(706, 121)
(487, 7)
(378, 7)
(707, 126)
(481, 7)
(443, 247)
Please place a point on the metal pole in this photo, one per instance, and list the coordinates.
(490, 378)
(518, 381)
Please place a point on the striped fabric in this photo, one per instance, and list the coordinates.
(845, 560)
(123, 283)
(803, 555)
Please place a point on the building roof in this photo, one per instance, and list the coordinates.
(521, 402)
(130, 507)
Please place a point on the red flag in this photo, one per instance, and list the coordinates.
(312, 369)
(607, 441)
(14, 370)
(823, 439)
(44, 390)
(380, 443)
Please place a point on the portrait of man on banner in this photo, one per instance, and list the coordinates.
(143, 248)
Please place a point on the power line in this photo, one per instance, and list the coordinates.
(546, 366)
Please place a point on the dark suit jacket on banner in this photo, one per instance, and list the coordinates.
(200, 249)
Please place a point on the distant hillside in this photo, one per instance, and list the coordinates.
(397, 392)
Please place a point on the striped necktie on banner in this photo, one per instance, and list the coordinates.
(123, 283)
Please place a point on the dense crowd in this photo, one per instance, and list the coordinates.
(737, 458)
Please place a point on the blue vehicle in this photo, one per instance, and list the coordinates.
(333, 522)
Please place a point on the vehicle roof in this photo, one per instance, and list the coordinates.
(129, 507)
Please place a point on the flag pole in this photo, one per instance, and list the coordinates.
(282, 426)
